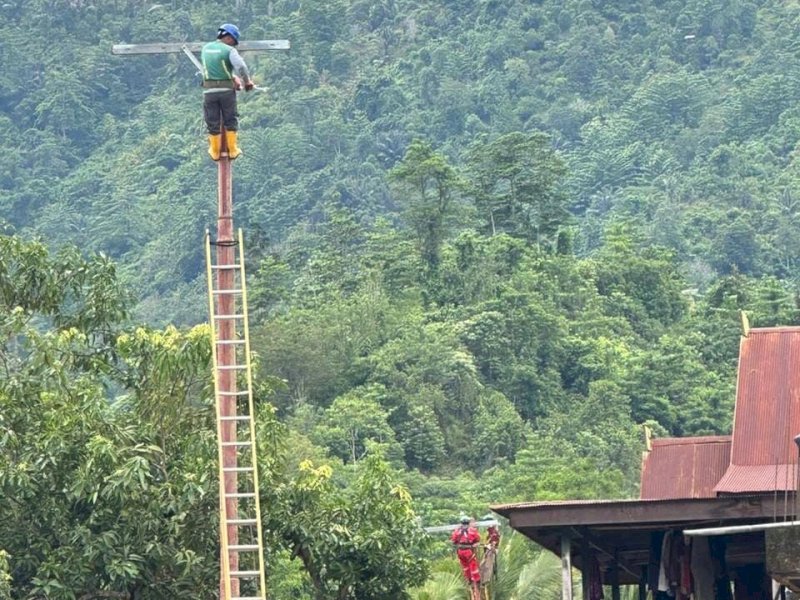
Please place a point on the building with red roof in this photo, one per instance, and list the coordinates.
(746, 479)
(684, 467)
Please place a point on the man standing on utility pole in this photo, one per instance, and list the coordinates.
(222, 63)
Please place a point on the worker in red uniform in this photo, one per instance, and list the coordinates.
(466, 540)
(488, 566)
(492, 536)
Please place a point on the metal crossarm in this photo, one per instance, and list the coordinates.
(240, 510)
(178, 47)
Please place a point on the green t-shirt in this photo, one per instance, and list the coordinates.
(215, 57)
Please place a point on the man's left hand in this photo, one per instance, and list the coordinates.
(249, 86)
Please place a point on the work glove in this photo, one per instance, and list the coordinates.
(249, 86)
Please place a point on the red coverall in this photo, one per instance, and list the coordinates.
(463, 537)
(493, 536)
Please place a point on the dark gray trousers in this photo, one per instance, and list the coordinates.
(219, 108)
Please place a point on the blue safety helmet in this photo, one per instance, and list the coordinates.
(229, 29)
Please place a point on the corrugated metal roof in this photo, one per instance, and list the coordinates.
(767, 414)
(684, 467)
(571, 503)
(740, 479)
(621, 503)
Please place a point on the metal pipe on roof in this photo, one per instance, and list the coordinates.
(709, 531)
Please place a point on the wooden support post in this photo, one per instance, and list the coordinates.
(566, 568)
(643, 584)
(226, 354)
(613, 576)
(586, 565)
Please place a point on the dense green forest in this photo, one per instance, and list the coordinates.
(487, 241)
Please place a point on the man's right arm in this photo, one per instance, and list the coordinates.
(240, 68)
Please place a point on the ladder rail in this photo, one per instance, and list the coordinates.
(242, 516)
(223, 525)
(251, 409)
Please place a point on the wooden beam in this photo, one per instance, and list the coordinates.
(638, 512)
(177, 47)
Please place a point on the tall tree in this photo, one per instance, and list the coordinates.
(516, 185)
(426, 188)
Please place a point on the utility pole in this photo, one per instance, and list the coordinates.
(223, 294)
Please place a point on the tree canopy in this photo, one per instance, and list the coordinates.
(486, 243)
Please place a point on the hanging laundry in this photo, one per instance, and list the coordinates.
(702, 569)
(654, 561)
(687, 584)
(664, 566)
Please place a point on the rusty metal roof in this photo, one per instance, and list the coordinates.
(767, 414)
(684, 467)
(499, 508)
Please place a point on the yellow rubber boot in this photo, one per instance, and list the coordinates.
(214, 145)
(233, 149)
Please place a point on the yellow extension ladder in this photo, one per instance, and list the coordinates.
(242, 574)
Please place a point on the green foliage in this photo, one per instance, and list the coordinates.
(500, 431)
(426, 187)
(540, 578)
(515, 187)
(107, 467)
(98, 495)
(342, 536)
(496, 249)
(352, 421)
(440, 586)
(5, 577)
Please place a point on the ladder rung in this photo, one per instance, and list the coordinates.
(242, 521)
(236, 316)
(245, 573)
(237, 469)
(237, 444)
(239, 393)
(241, 495)
(229, 342)
(223, 267)
(232, 368)
(234, 291)
(244, 548)
(236, 418)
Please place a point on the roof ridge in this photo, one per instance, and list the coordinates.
(780, 329)
(700, 439)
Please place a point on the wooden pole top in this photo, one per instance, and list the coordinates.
(177, 47)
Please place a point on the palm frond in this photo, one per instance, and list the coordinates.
(441, 586)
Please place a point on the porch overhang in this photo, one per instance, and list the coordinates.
(618, 532)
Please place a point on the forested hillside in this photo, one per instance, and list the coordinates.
(487, 240)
